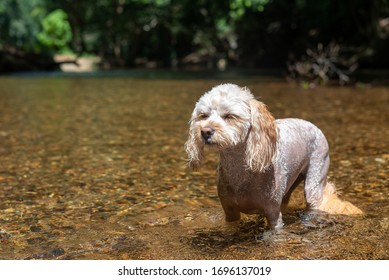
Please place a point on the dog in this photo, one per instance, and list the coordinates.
(261, 159)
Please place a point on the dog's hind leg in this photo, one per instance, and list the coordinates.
(316, 178)
(286, 198)
(320, 194)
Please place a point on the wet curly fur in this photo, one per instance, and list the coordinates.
(261, 159)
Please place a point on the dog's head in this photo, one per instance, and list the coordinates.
(227, 116)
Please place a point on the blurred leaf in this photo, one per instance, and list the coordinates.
(56, 31)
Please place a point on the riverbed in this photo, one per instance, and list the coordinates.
(94, 168)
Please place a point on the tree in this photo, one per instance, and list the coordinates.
(56, 33)
(166, 33)
(20, 23)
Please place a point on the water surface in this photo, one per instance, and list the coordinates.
(94, 168)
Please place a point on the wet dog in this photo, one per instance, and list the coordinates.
(261, 160)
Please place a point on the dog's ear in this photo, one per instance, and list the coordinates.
(262, 138)
(194, 148)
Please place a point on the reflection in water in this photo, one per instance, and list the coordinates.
(94, 168)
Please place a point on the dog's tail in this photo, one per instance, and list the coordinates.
(332, 204)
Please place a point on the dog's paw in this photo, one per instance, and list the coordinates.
(313, 219)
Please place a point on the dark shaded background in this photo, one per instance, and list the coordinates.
(192, 33)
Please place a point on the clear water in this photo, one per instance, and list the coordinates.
(94, 168)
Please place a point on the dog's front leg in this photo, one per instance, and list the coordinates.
(232, 213)
(274, 218)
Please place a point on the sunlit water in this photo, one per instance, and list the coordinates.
(94, 168)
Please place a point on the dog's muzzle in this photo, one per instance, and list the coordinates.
(206, 133)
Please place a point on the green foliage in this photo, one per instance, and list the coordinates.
(249, 33)
(239, 7)
(20, 22)
(56, 33)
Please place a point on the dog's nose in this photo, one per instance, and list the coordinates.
(207, 132)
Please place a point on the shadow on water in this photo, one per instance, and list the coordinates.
(94, 168)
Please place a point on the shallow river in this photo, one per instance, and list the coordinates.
(94, 168)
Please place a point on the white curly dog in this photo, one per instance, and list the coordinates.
(262, 159)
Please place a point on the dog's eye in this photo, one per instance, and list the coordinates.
(229, 116)
(202, 116)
